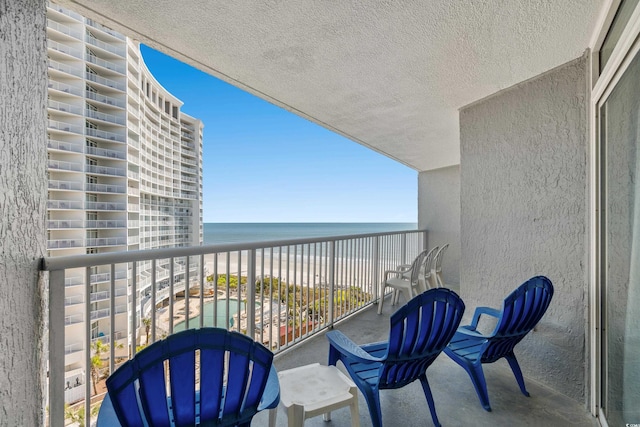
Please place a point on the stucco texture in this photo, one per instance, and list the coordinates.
(23, 202)
(524, 213)
(439, 212)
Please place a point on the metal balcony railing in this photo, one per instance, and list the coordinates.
(63, 87)
(65, 146)
(109, 100)
(279, 293)
(104, 134)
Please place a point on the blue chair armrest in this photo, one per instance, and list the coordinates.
(483, 310)
(345, 346)
(271, 393)
(466, 330)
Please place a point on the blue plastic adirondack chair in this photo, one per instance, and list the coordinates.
(232, 379)
(521, 311)
(419, 332)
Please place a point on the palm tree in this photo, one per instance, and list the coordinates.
(147, 328)
(98, 348)
(77, 415)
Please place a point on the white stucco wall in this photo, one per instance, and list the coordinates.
(23, 200)
(439, 212)
(523, 213)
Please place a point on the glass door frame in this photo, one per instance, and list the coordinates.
(602, 84)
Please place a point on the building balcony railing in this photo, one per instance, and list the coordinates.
(104, 81)
(64, 29)
(63, 87)
(64, 11)
(106, 277)
(105, 206)
(110, 118)
(105, 224)
(118, 50)
(104, 152)
(109, 65)
(65, 204)
(105, 135)
(65, 224)
(109, 100)
(105, 295)
(109, 31)
(105, 170)
(279, 293)
(65, 244)
(74, 147)
(105, 188)
(65, 185)
(54, 124)
(64, 107)
(66, 49)
(106, 241)
(65, 68)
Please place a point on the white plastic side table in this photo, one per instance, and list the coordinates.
(311, 390)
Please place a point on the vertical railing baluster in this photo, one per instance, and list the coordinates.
(279, 296)
(332, 283)
(186, 295)
(134, 292)
(56, 348)
(227, 302)
(376, 269)
(154, 289)
(239, 292)
(203, 280)
(251, 295)
(171, 294)
(112, 319)
(87, 341)
(289, 286)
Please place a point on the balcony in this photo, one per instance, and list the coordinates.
(118, 50)
(112, 136)
(318, 283)
(109, 100)
(105, 206)
(105, 170)
(105, 188)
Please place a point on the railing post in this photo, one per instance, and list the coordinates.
(251, 294)
(56, 348)
(134, 291)
(186, 294)
(87, 340)
(376, 267)
(112, 319)
(403, 248)
(332, 280)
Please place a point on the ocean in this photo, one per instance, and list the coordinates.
(215, 233)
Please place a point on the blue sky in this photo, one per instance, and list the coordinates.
(264, 164)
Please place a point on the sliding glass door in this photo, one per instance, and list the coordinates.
(619, 293)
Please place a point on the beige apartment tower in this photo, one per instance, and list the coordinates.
(125, 173)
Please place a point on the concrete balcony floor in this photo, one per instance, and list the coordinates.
(456, 401)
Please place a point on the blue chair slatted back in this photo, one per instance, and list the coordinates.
(521, 311)
(232, 373)
(419, 332)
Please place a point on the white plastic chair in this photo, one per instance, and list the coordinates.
(410, 280)
(436, 270)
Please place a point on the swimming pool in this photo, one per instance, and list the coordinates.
(208, 314)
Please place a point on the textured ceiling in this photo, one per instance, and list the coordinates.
(390, 75)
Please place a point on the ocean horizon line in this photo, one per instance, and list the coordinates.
(233, 232)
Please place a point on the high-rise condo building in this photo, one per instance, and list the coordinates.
(125, 173)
